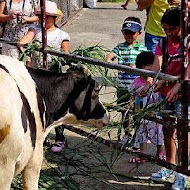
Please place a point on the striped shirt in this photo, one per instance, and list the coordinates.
(127, 55)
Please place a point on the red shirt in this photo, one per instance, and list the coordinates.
(174, 66)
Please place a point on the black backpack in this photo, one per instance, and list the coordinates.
(166, 59)
(163, 43)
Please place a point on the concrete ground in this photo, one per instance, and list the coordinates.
(101, 25)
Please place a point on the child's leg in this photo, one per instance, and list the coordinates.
(169, 141)
(60, 140)
(157, 138)
(160, 149)
(143, 147)
(161, 153)
(59, 133)
(142, 138)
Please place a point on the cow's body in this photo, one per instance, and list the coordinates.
(27, 110)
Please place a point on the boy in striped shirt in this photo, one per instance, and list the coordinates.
(126, 54)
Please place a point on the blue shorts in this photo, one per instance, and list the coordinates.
(174, 108)
(151, 41)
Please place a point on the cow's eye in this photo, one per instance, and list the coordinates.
(95, 93)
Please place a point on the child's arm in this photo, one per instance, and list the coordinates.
(26, 39)
(173, 94)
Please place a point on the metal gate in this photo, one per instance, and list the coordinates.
(68, 7)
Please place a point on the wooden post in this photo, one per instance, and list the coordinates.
(183, 128)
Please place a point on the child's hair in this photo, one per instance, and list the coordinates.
(144, 58)
(131, 18)
(171, 16)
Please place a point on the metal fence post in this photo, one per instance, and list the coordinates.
(183, 121)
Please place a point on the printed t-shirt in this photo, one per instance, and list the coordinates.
(54, 41)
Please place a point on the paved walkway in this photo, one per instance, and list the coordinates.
(101, 25)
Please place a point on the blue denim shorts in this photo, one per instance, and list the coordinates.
(151, 41)
(174, 108)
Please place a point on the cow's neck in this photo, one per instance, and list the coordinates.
(50, 87)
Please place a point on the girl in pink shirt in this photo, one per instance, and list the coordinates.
(148, 130)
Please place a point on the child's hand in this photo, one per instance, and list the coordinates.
(11, 15)
(143, 91)
(109, 57)
(25, 19)
(173, 94)
(159, 85)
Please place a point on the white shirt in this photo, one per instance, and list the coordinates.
(54, 41)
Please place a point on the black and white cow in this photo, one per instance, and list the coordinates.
(31, 103)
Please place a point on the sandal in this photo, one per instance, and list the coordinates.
(124, 7)
(136, 160)
(58, 146)
(161, 155)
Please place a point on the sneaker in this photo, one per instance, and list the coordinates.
(161, 155)
(163, 175)
(58, 146)
(179, 182)
(126, 139)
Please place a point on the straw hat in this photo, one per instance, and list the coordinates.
(51, 9)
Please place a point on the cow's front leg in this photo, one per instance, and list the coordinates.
(31, 173)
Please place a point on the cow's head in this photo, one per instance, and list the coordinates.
(87, 106)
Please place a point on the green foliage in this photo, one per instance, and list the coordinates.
(96, 52)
